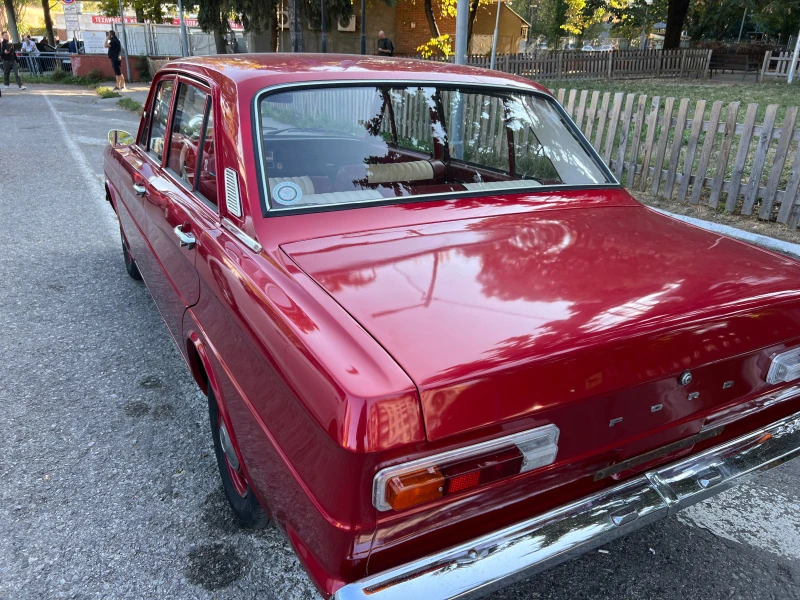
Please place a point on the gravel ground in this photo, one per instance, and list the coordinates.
(109, 484)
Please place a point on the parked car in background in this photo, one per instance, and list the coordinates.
(588, 48)
(442, 348)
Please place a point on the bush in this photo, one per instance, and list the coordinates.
(107, 92)
(131, 105)
(143, 66)
(95, 76)
(60, 75)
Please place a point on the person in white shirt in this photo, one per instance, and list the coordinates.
(31, 54)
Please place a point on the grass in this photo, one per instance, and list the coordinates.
(64, 78)
(711, 90)
(131, 105)
(106, 92)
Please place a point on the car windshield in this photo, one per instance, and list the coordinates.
(332, 146)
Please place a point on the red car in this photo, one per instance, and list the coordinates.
(443, 349)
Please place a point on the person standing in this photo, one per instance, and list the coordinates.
(31, 53)
(9, 58)
(114, 51)
(385, 45)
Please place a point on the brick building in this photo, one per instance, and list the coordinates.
(406, 25)
(412, 30)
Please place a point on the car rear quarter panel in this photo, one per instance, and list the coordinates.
(312, 399)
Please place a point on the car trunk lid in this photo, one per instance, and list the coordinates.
(582, 318)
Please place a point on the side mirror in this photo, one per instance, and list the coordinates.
(117, 137)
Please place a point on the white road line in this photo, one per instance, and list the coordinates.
(93, 183)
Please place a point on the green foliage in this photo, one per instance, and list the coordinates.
(131, 105)
(637, 17)
(442, 46)
(715, 19)
(146, 10)
(106, 92)
(143, 66)
(777, 16)
(95, 76)
(59, 74)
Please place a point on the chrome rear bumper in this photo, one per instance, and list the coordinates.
(486, 564)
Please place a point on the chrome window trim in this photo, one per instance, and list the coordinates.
(385, 474)
(241, 235)
(268, 210)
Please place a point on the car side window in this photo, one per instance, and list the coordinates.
(159, 119)
(187, 129)
(207, 169)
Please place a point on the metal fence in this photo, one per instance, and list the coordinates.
(45, 62)
(165, 40)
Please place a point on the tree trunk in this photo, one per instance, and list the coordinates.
(48, 22)
(220, 42)
(431, 19)
(139, 14)
(296, 26)
(676, 15)
(277, 32)
(11, 17)
(473, 12)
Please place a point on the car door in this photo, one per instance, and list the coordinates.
(175, 214)
(136, 165)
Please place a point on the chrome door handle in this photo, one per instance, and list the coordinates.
(185, 240)
(139, 189)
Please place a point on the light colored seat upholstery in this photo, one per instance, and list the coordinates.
(417, 170)
(304, 182)
(502, 185)
(342, 197)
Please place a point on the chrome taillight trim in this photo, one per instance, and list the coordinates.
(790, 360)
(521, 440)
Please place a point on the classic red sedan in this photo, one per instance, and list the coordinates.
(443, 349)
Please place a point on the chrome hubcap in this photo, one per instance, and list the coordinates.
(227, 447)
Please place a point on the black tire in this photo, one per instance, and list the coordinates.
(246, 508)
(130, 264)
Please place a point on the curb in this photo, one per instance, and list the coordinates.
(764, 241)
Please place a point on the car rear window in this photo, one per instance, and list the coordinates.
(337, 146)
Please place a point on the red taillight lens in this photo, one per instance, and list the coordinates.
(482, 470)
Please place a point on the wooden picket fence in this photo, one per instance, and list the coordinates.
(545, 64)
(688, 156)
(777, 65)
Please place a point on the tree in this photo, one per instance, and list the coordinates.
(146, 10)
(214, 17)
(676, 15)
(431, 20)
(11, 19)
(637, 18)
(778, 17)
(715, 19)
(48, 22)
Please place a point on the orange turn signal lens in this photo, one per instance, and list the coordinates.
(414, 488)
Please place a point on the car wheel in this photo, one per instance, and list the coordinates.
(243, 501)
(130, 264)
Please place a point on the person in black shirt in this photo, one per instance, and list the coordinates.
(114, 51)
(9, 58)
(385, 45)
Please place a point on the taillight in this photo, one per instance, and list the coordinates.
(456, 471)
(784, 367)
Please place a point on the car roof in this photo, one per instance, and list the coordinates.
(275, 68)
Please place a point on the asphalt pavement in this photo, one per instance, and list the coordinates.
(109, 484)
